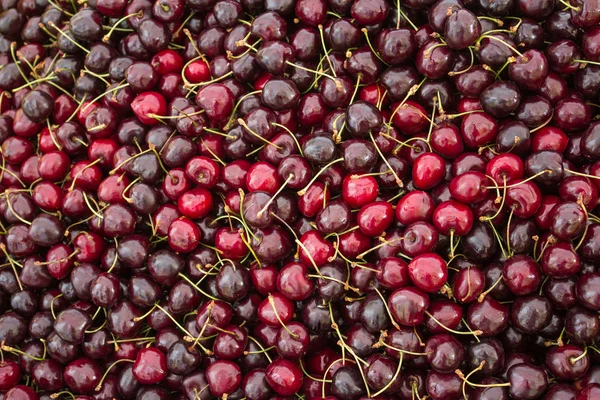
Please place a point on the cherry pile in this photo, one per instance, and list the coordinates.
(299, 199)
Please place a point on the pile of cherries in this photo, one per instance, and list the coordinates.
(299, 199)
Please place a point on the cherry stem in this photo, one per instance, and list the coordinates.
(123, 194)
(53, 25)
(366, 32)
(17, 62)
(95, 75)
(582, 174)
(188, 280)
(355, 89)
(532, 177)
(9, 204)
(103, 94)
(474, 333)
(309, 375)
(549, 241)
(413, 90)
(322, 35)
(150, 311)
(262, 348)
(569, 6)
(13, 350)
(392, 380)
(131, 158)
(387, 309)
(216, 158)
(319, 73)
(401, 351)
(465, 378)
(267, 350)
(40, 80)
(266, 206)
(343, 345)
(57, 394)
(497, 21)
(512, 211)
(285, 128)
(462, 71)
(302, 191)
(80, 172)
(585, 229)
(174, 320)
(503, 197)
(12, 264)
(87, 202)
(329, 278)
(546, 122)
(139, 14)
(408, 20)
(243, 124)
(383, 243)
(99, 386)
(483, 294)
(501, 41)
(573, 360)
(272, 303)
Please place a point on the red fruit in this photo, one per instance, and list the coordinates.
(359, 190)
(428, 272)
(197, 71)
(147, 105)
(150, 366)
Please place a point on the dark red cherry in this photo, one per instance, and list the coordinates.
(150, 366)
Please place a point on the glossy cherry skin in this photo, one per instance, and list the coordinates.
(445, 352)
(568, 220)
(524, 199)
(428, 272)
(586, 295)
(526, 381)
(373, 219)
(284, 377)
(488, 316)
(10, 374)
(82, 375)
(428, 171)
(148, 104)
(453, 216)
(223, 377)
(522, 274)
(358, 191)
(408, 306)
(414, 207)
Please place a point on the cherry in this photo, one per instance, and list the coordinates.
(21, 392)
(428, 171)
(375, 218)
(10, 374)
(183, 235)
(82, 375)
(149, 105)
(415, 206)
(150, 366)
(500, 99)
(408, 306)
(568, 220)
(521, 274)
(588, 281)
(488, 316)
(428, 272)
(223, 377)
(444, 352)
(478, 129)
